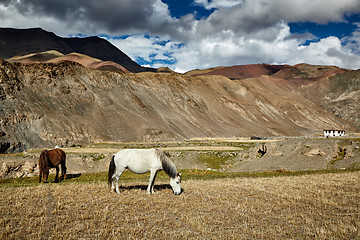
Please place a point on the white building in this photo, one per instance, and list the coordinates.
(334, 133)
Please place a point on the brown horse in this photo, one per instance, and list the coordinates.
(52, 159)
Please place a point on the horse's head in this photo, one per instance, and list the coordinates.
(43, 159)
(175, 184)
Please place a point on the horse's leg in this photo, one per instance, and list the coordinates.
(150, 189)
(116, 177)
(153, 182)
(46, 174)
(63, 166)
(57, 174)
(63, 171)
(40, 175)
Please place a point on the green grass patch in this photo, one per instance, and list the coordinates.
(340, 155)
(136, 145)
(186, 174)
(215, 159)
(243, 145)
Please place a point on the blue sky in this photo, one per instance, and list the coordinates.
(190, 34)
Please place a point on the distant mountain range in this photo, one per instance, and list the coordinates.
(50, 95)
(20, 42)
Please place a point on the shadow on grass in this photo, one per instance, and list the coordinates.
(71, 176)
(187, 174)
(159, 187)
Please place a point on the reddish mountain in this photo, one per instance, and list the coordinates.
(241, 71)
(304, 74)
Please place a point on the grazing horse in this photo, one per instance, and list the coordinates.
(143, 161)
(52, 159)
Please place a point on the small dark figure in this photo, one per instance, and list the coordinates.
(262, 151)
(52, 159)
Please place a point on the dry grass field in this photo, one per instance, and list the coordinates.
(316, 206)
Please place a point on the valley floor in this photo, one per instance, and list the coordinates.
(216, 154)
(318, 206)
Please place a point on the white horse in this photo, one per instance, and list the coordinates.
(143, 161)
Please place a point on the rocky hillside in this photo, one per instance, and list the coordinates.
(20, 42)
(339, 94)
(47, 104)
(329, 87)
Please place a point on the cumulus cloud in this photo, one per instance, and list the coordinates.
(328, 51)
(320, 11)
(236, 31)
(225, 48)
(147, 49)
(92, 16)
(248, 17)
(218, 3)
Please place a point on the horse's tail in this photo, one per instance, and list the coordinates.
(43, 162)
(111, 170)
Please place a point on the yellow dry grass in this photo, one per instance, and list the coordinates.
(239, 139)
(321, 206)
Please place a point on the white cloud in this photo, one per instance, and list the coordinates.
(11, 17)
(352, 43)
(224, 50)
(237, 32)
(218, 3)
(136, 46)
(147, 48)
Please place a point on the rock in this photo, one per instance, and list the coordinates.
(17, 169)
(314, 152)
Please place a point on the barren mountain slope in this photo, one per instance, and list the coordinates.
(306, 71)
(334, 89)
(66, 103)
(338, 93)
(329, 87)
(55, 57)
(36, 57)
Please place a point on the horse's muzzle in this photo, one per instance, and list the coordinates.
(178, 193)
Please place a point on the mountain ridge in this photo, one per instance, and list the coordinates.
(54, 56)
(47, 104)
(19, 42)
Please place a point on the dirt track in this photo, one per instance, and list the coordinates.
(224, 155)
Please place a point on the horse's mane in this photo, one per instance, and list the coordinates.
(167, 165)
